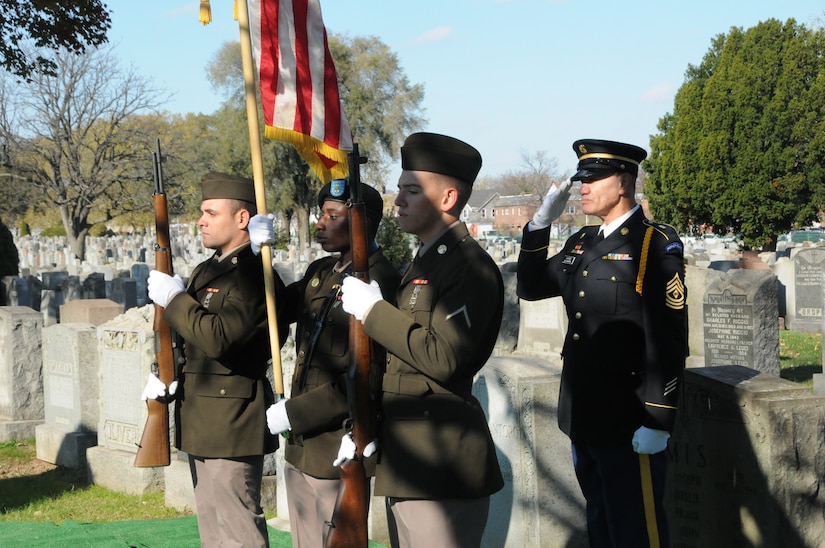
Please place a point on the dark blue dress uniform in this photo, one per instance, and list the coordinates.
(626, 343)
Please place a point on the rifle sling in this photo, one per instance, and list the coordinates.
(326, 307)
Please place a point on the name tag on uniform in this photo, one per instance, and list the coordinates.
(569, 259)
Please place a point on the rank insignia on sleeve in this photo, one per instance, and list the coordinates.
(675, 293)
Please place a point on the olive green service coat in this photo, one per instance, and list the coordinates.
(223, 393)
(626, 344)
(318, 406)
(434, 439)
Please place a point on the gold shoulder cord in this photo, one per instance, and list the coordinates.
(643, 261)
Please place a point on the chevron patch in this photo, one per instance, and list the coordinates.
(675, 293)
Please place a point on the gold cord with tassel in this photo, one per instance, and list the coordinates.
(206, 13)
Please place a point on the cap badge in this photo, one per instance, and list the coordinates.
(337, 187)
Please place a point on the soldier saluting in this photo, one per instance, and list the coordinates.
(623, 287)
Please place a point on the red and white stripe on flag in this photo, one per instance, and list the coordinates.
(299, 85)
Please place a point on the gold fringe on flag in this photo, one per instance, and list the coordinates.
(235, 9)
(206, 13)
(310, 149)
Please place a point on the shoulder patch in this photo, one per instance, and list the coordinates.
(674, 247)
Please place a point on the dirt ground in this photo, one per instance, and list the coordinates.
(19, 468)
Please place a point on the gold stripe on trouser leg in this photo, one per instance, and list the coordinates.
(650, 506)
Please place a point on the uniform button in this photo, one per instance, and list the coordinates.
(581, 294)
(301, 354)
(223, 391)
(584, 274)
(578, 315)
(576, 336)
(612, 278)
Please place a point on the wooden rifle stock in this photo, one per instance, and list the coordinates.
(153, 449)
(348, 526)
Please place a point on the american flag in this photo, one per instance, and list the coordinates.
(299, 85)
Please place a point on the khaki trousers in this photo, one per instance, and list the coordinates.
(311, 502)
(228, 501)
(452, 523)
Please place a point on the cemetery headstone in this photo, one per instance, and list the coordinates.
(70, 384)
(809, 277)
(21, 368)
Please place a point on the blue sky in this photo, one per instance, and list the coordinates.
(504, 75)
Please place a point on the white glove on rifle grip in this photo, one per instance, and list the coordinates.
(347, 450)
(358, 297)
(553, 204)
(261, 231)
(155, 389)
(163, 287)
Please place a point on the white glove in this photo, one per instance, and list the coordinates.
(276, 418)
(647, 441)
(261, 231)
(162, 287)
(553, 204)
(156, 390)
(347, 450)
(357, 297)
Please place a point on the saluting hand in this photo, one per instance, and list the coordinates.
(553, 204)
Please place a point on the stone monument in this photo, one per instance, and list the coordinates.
(21, 368)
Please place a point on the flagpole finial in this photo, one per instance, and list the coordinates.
(206, 13)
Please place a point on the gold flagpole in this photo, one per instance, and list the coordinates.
(260, 195)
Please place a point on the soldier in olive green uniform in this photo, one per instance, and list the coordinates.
(437, 462)
(624, 354)
(223, 392)
(317, 407)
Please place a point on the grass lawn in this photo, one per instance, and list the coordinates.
(800, 356)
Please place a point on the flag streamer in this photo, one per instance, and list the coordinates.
(299, 84)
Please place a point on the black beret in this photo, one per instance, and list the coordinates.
(440, 154)
(599, 158)
(337, 190)
(230, 187)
